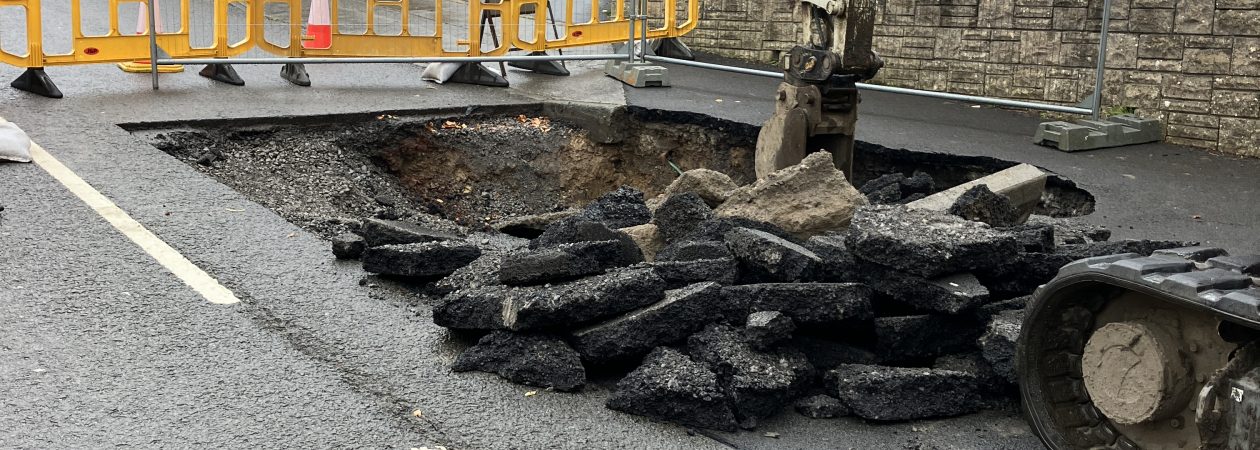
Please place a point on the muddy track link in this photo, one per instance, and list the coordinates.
(1199, 290)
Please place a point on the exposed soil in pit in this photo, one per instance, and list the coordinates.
(475, 170)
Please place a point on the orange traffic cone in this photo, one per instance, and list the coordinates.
(142, 28)
(318, 26)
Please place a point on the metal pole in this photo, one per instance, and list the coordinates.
(398, 60)
(643, 15)
(1102, 60)
(631, 7)
(153, 47)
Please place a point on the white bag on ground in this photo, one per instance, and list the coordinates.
(439, 72)
(14, 144)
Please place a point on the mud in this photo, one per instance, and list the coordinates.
(450, 171)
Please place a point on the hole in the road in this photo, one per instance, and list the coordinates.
(476, 169)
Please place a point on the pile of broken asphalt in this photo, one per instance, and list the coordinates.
(724, 304)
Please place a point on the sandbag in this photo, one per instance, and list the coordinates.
(14, 144)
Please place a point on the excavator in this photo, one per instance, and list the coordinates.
(1158, 352)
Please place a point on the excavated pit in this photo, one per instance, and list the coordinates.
(483, 166)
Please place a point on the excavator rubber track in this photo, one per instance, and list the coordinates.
(1198, 310)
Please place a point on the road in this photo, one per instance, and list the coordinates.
(104, 347)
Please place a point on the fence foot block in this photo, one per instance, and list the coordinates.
(35, 81)
(672, 48)
(296, 74)
(475, 73)
(223, 73)
(543, 67)
(637, 74)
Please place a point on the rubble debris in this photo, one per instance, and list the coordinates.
(809, 198)
(765, 257)
(377, 232)
(837, 262)
(912, 338)
(1034, 237)
(475, 274)
(821, 406)
(998, 342)
(348, 246)
(694, 251)
(1069, 231)
(529, 359)
(1022, 185)
(681, 273)
(926, 243)
(982, 205)
(758, 383)
(424, 259)
(826, 354)
(566, 232)
(899, 393)
(647, 237)
(577, 302)
(670, 386)
(805, 303)
(712, 186)
(767, 329)
(949, 294)
(681, 313)
(533, 225)
(560, 263)
(897, 188)
(679, 215)
(716, 229)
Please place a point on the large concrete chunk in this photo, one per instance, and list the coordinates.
(681, 313)
(926, 243)
(712, 186)
(982, 205)
(914, 338)
(427, 259)
(681, 273)
(805, 199)
(765, 257)
(679, 215)
(670, 386)
(1021, 184)
(530, 359)
(805, 303)
(571, 304)
(647, 237)
(899, 393)
(560, 263)
(999, 341)
(758, 383)
(377, 232)
(949, 294)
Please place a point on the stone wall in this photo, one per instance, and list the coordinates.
(1194, 64)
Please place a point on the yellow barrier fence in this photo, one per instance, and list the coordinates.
(522, 22)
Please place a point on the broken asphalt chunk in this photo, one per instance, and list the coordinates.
(927, 243)
(682, 312)
(900, 393)
(377, 232)
(529, 359)
(670, 386)
(425, 259)
(757, 383)
(764, 257)
(805, 303)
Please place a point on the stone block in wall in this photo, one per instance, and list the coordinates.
(1194, 17)
(1240, 136)
(955, 76)
(1154, 3)
(1246, 57)
(999, 69)
(1236, 82)
(976, 35)
(1141, 96)
(1033, 23)
(927, 15)
(1206, 60)
(1122, 51)
(1004, 51)
(966, 88)
(1237, 22)
(1039, 47)
(958, 11)
(1161, 47)
(933, 81)
(1141, 77)
(1236, 103)
(1191, 132)
(1063, 90)
(1148, 20)
(1187, 106)
(1079, 55)
(1032, 3)
(959, 22)
(1119, 12)
(1198, 120)
(1159, 65)
(1079, 37)
(899, 20)
(1189, 87)
(1069, 18)
(1071, 3)
(1044, 12)
(997, 85)
(1029, 76)
(948, 42)
(996, 13)
(1209, 42)
(1211, 145)
(901, 7)
(1238, 4)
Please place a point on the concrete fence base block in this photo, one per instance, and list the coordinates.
(638, 74)
(1022, 184)
(1093, 134)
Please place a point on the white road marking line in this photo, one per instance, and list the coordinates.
(168, 257)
